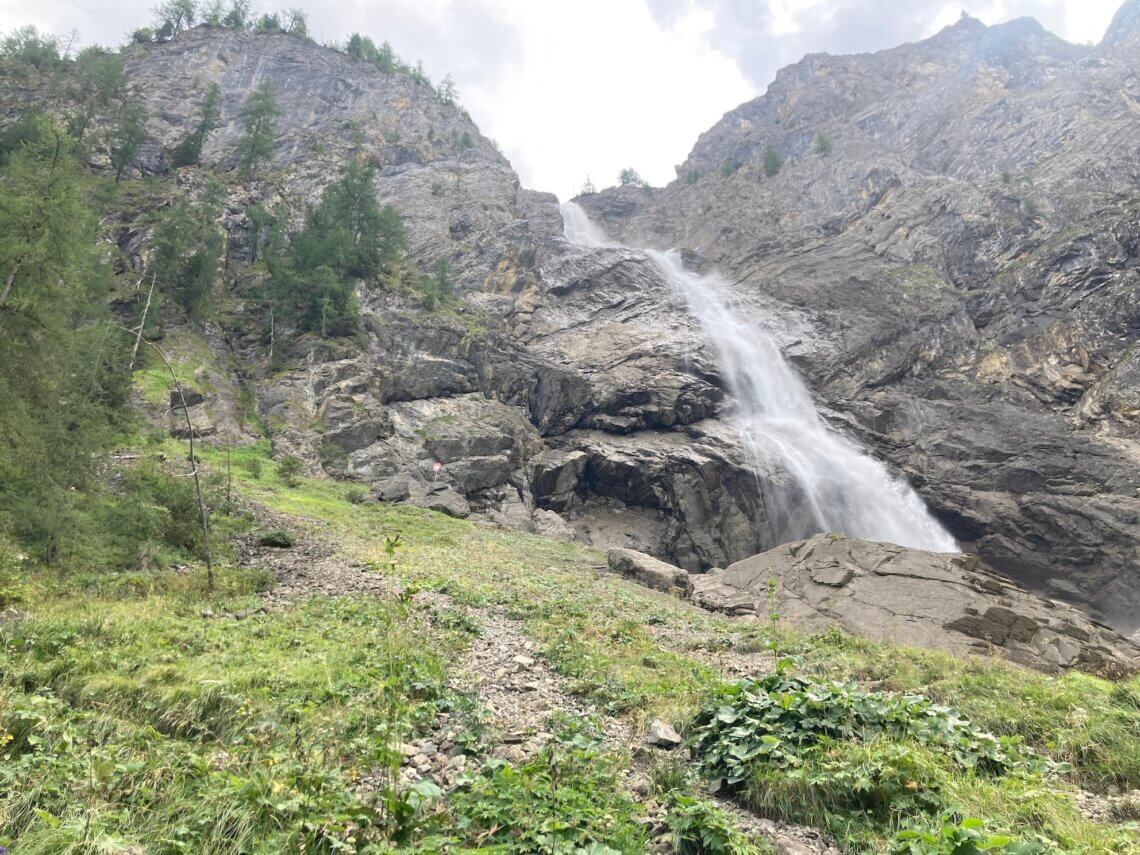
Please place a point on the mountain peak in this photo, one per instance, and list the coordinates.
(1125, 23)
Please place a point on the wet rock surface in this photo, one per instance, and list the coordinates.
(907, 596)
(965, 260)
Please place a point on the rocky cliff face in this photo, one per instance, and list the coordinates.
(978, 333)
(962, 270)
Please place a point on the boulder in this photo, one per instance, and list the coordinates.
(445, 500)
(554, 477)
(550, 525)
(662, 735)
(944, 601)
(649, 571)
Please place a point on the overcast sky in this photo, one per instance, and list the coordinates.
(571, 88)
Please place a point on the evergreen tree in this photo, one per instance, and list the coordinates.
(187, 248)
(772, 161)
(63, 376)
(189, 151)
(448, 94)
(346, 237)
(127, 136)
(628, 177)
(27, 49)
(237, 18)
(386, 59)
(98, 83)
(174, 16)
(258, 119)
(296, 24)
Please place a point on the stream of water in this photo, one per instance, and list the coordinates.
(831, 484)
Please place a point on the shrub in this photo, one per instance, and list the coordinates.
(967, 837)
(692, 176)
(776, 719)
(629, 177)
(289, 469)
(772, 161)
(278, 539)
(821, 145)
(699, 827)
(728, 168)
(568, 798)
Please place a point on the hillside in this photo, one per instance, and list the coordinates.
(351, 501)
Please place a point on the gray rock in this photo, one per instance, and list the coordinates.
(444, 500)
(649, 571)
(662, 735)
(942, 601)
(550, 525)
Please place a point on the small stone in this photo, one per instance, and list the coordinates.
(662, 735)
(206, 613)
(523, 661)
(406, 749)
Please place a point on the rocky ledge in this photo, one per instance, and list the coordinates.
(908, 596)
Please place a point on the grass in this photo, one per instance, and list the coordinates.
(157, 727)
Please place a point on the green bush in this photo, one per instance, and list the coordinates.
(772, 161)
(278, 539)
(967, 837)
(699, 827)
(776, 719)
(288, 470)
(568, 798)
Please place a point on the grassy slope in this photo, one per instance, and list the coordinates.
(128, 718)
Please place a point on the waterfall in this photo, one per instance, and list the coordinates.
(828, 483)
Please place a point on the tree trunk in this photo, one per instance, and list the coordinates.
(8, 282)
(142, 323)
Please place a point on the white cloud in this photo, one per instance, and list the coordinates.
(588, 87)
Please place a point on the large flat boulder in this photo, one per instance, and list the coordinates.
(649, 571)
(908, 596)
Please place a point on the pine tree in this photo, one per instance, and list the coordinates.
(98, 83)
(127, 136)
(257, 117)
(448, 94)
(189, 151)
(176, 15)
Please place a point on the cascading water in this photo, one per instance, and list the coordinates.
(831, 484)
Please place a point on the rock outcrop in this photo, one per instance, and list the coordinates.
(956, 272)
(958, 282)
(942, 601)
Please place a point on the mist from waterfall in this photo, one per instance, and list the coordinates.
(831, 485)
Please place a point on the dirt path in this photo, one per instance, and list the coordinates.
(517, 690)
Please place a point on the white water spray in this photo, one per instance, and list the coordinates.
(833, 485)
